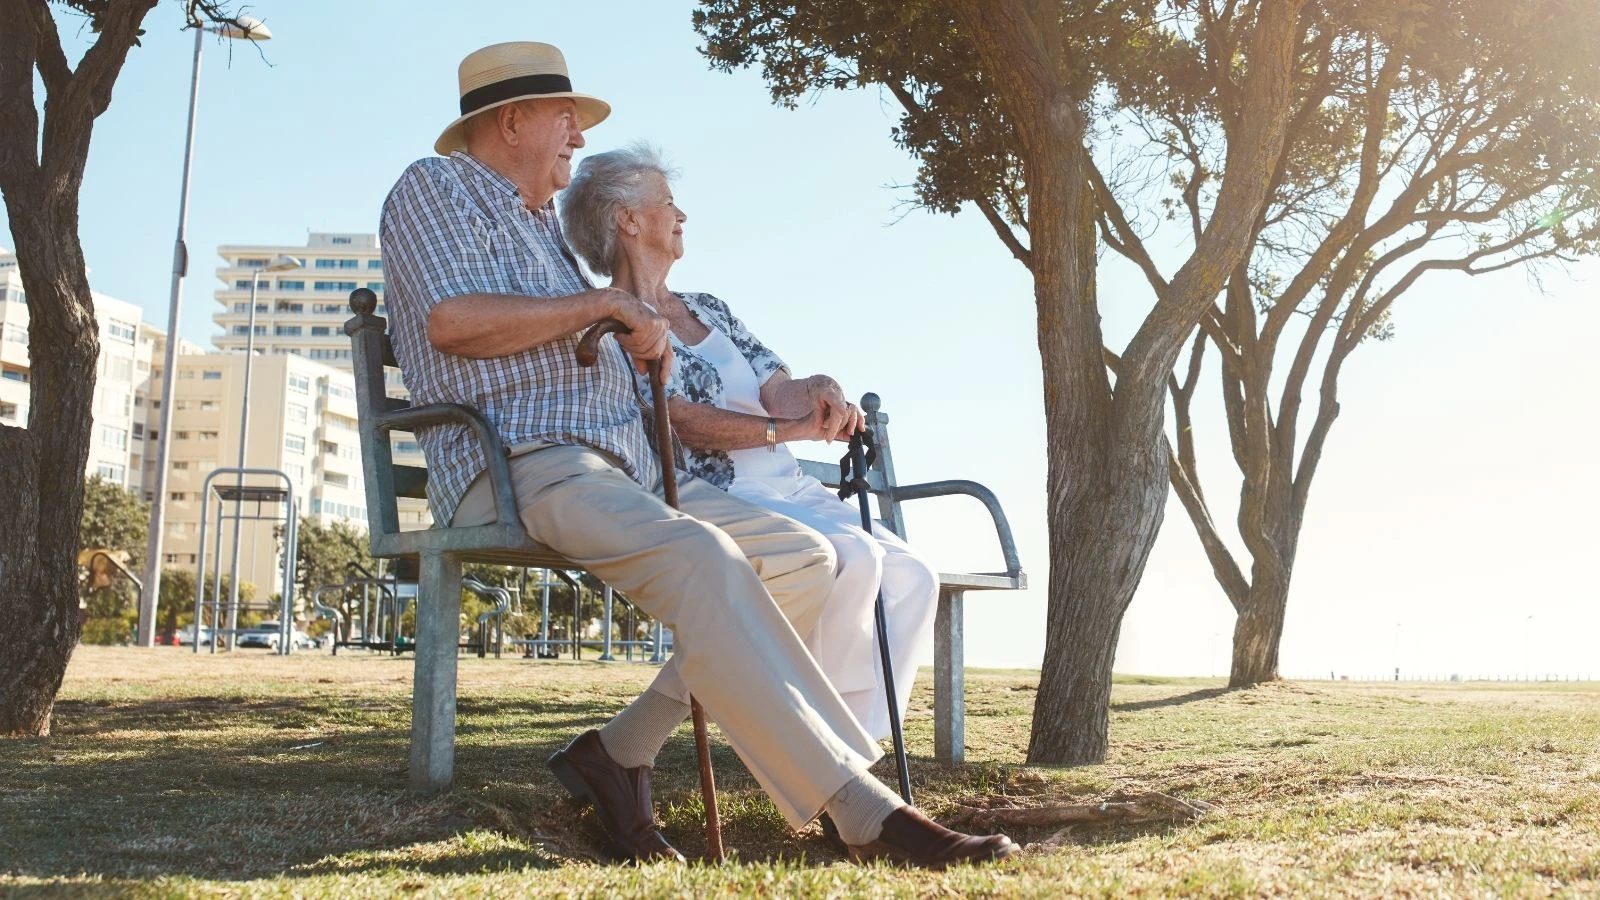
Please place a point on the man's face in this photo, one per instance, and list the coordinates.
(546, 140)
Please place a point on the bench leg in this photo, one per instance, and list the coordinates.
(949, 681)
(433, 692)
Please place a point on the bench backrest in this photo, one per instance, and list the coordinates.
(371, 351)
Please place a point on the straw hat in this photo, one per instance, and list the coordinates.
(505, 73)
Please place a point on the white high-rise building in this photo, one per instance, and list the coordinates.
(302, 423)
(302, 313)
(115, 443)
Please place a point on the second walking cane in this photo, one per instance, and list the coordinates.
(588, 355)
(853, 470)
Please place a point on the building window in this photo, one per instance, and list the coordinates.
(334, 285)
(286, 307)
(121, 330)
(291, 285)
(295, 471)
(323, 353)
(298, 413)
(375, 286)
(300, 384)
(375, 264)
(321, 331)
(336, 479)
(181, 435)
(171, 558)
(15, 375)
(16, 334)
(177, 496)
(185, 373)
(212, 374)
(113, 437)
(406, 447)
(208, 405)
(294, 443)
(205, 465)
(349, 263)
(286, 330)
(327, 264)
(181, 465)
(111, 472)
(208, 435)
(242, 284)
(138, 430)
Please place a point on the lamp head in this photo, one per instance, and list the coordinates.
(282, 264)
(243, 28)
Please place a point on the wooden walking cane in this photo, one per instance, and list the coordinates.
(588, 354)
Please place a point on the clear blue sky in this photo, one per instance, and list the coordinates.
(1451, 528)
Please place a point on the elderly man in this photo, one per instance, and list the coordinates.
(488, 305)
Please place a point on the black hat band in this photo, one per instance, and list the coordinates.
(501, 91)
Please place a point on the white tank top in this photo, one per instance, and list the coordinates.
(741, 392)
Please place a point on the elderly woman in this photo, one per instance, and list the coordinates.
(734, 404)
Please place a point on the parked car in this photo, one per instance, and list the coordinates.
(266, 635)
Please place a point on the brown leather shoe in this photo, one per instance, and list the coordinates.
(621, 797)
(912, 839)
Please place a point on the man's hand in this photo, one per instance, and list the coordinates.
(649, 335)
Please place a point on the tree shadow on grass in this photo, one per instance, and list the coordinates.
(1175, 700)
(233, 788)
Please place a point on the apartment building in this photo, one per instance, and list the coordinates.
(115, 445)
(302, 313)
(302, 422)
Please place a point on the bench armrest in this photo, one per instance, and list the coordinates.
(1008, 545)
(494, 450)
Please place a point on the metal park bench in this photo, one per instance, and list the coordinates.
(442, 550)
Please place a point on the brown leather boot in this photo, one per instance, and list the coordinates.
(621, 797)
(912, 839)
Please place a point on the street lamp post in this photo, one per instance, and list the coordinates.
(247, 28)
(281, 264)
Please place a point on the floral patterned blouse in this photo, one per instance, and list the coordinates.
(696, 380)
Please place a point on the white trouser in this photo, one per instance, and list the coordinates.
(845, 640)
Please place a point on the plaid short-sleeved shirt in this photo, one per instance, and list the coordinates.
(453, 226)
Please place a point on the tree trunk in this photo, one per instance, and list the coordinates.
(41, 493)
(42, 484)
(1257, 633)
(1098, 551)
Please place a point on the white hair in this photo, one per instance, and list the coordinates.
(603, 184)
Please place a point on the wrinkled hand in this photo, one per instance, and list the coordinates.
(812, 427)
(649, 334)
(841, 418)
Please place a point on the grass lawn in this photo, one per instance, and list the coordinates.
(171, 774)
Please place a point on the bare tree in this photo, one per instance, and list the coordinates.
(1449, 136)
(42, 161)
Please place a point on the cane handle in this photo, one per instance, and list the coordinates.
(589, 345)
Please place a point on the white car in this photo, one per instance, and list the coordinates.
(267, 634)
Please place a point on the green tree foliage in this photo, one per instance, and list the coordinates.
(116, 521)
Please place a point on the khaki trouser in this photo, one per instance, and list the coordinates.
(729, 578)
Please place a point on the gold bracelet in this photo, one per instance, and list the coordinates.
(772, 435)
